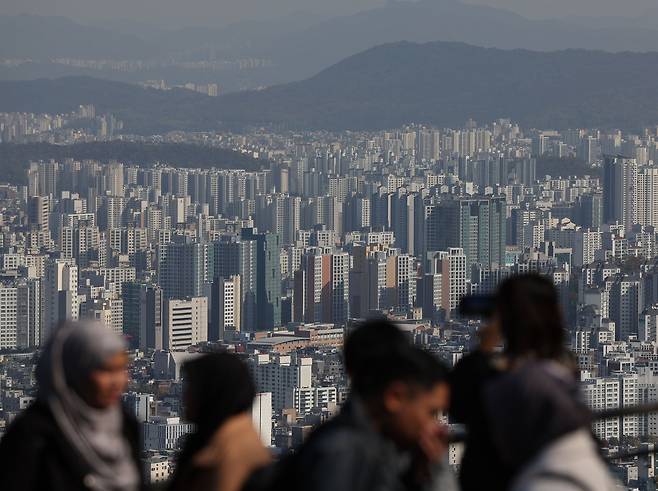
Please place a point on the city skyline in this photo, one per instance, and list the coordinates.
(232, 193)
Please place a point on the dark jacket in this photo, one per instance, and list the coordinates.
(348, 454)
(530, 408)
(35, 455)
(510, 416)
(481, 467)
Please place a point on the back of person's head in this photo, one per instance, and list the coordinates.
(528, 309)
(378, 353)
(217, 386)
(407, 364)
(373, 338)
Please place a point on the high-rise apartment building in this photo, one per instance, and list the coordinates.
(268, 278)
(401, 278)
(620, 180)
(280, 375)
(452, 266)
(477, 225)
(60, 294)
(626, 301)
(8, 317)
(142, 315)
(38, 212)
(647, 196)
(226, 307)
(184, 269)
(185, 322)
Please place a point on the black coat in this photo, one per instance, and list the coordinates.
(347, 453)
(481, 467)
(35, 455)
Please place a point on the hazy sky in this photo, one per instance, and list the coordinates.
(214, 12)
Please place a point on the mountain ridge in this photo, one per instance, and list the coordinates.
(297, 48)
(436, 83)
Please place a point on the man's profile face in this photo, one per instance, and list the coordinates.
(414, 410)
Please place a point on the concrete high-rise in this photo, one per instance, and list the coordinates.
(184, 269)
(312, 288)
(322, 288)
(233, 256)
(340, 287)
(647, 196)
(142, 315)
(477, 225)
(226, 306)
(185, 323)
(8, 317)
(280, 376)
(620, 179)
(60, 294)
(626, 304)
(401, 281)
(38, 212)
(268, 278)
(29, 311)
(590, 210)
(452, 267)
(113, 174)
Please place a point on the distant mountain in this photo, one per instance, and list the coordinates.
(437, 83)
(303, 53)
(297, 47)
(37, 37)
(446, 83)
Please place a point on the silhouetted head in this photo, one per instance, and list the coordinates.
(529, 317)
(403, 387)
(373, 338)
(216, 387)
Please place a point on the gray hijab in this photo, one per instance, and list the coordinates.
(75, 350)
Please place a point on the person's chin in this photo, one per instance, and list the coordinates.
(112, 401)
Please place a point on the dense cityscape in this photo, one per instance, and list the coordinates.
(278, 264)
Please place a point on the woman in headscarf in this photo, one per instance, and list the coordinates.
(225, 452)
(76, 435)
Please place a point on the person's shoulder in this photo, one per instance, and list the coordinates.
(28, 434)
(130, 423)
(474, 365)
(339, 440)
(35, 419)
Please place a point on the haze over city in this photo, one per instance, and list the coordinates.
(171, 13)
(358, 246)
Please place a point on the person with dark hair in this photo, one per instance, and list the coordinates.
(387, 436)
(225, 450)
(76, 435)
(529, 318)
(370, 339)
(517, 404)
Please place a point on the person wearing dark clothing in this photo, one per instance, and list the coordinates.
(386, 436)
(225, 451)
(518, 405)
(532, 406)
(76, 435)
(468, 380)
(35, 455)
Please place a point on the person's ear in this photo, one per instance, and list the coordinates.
(394, 396)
